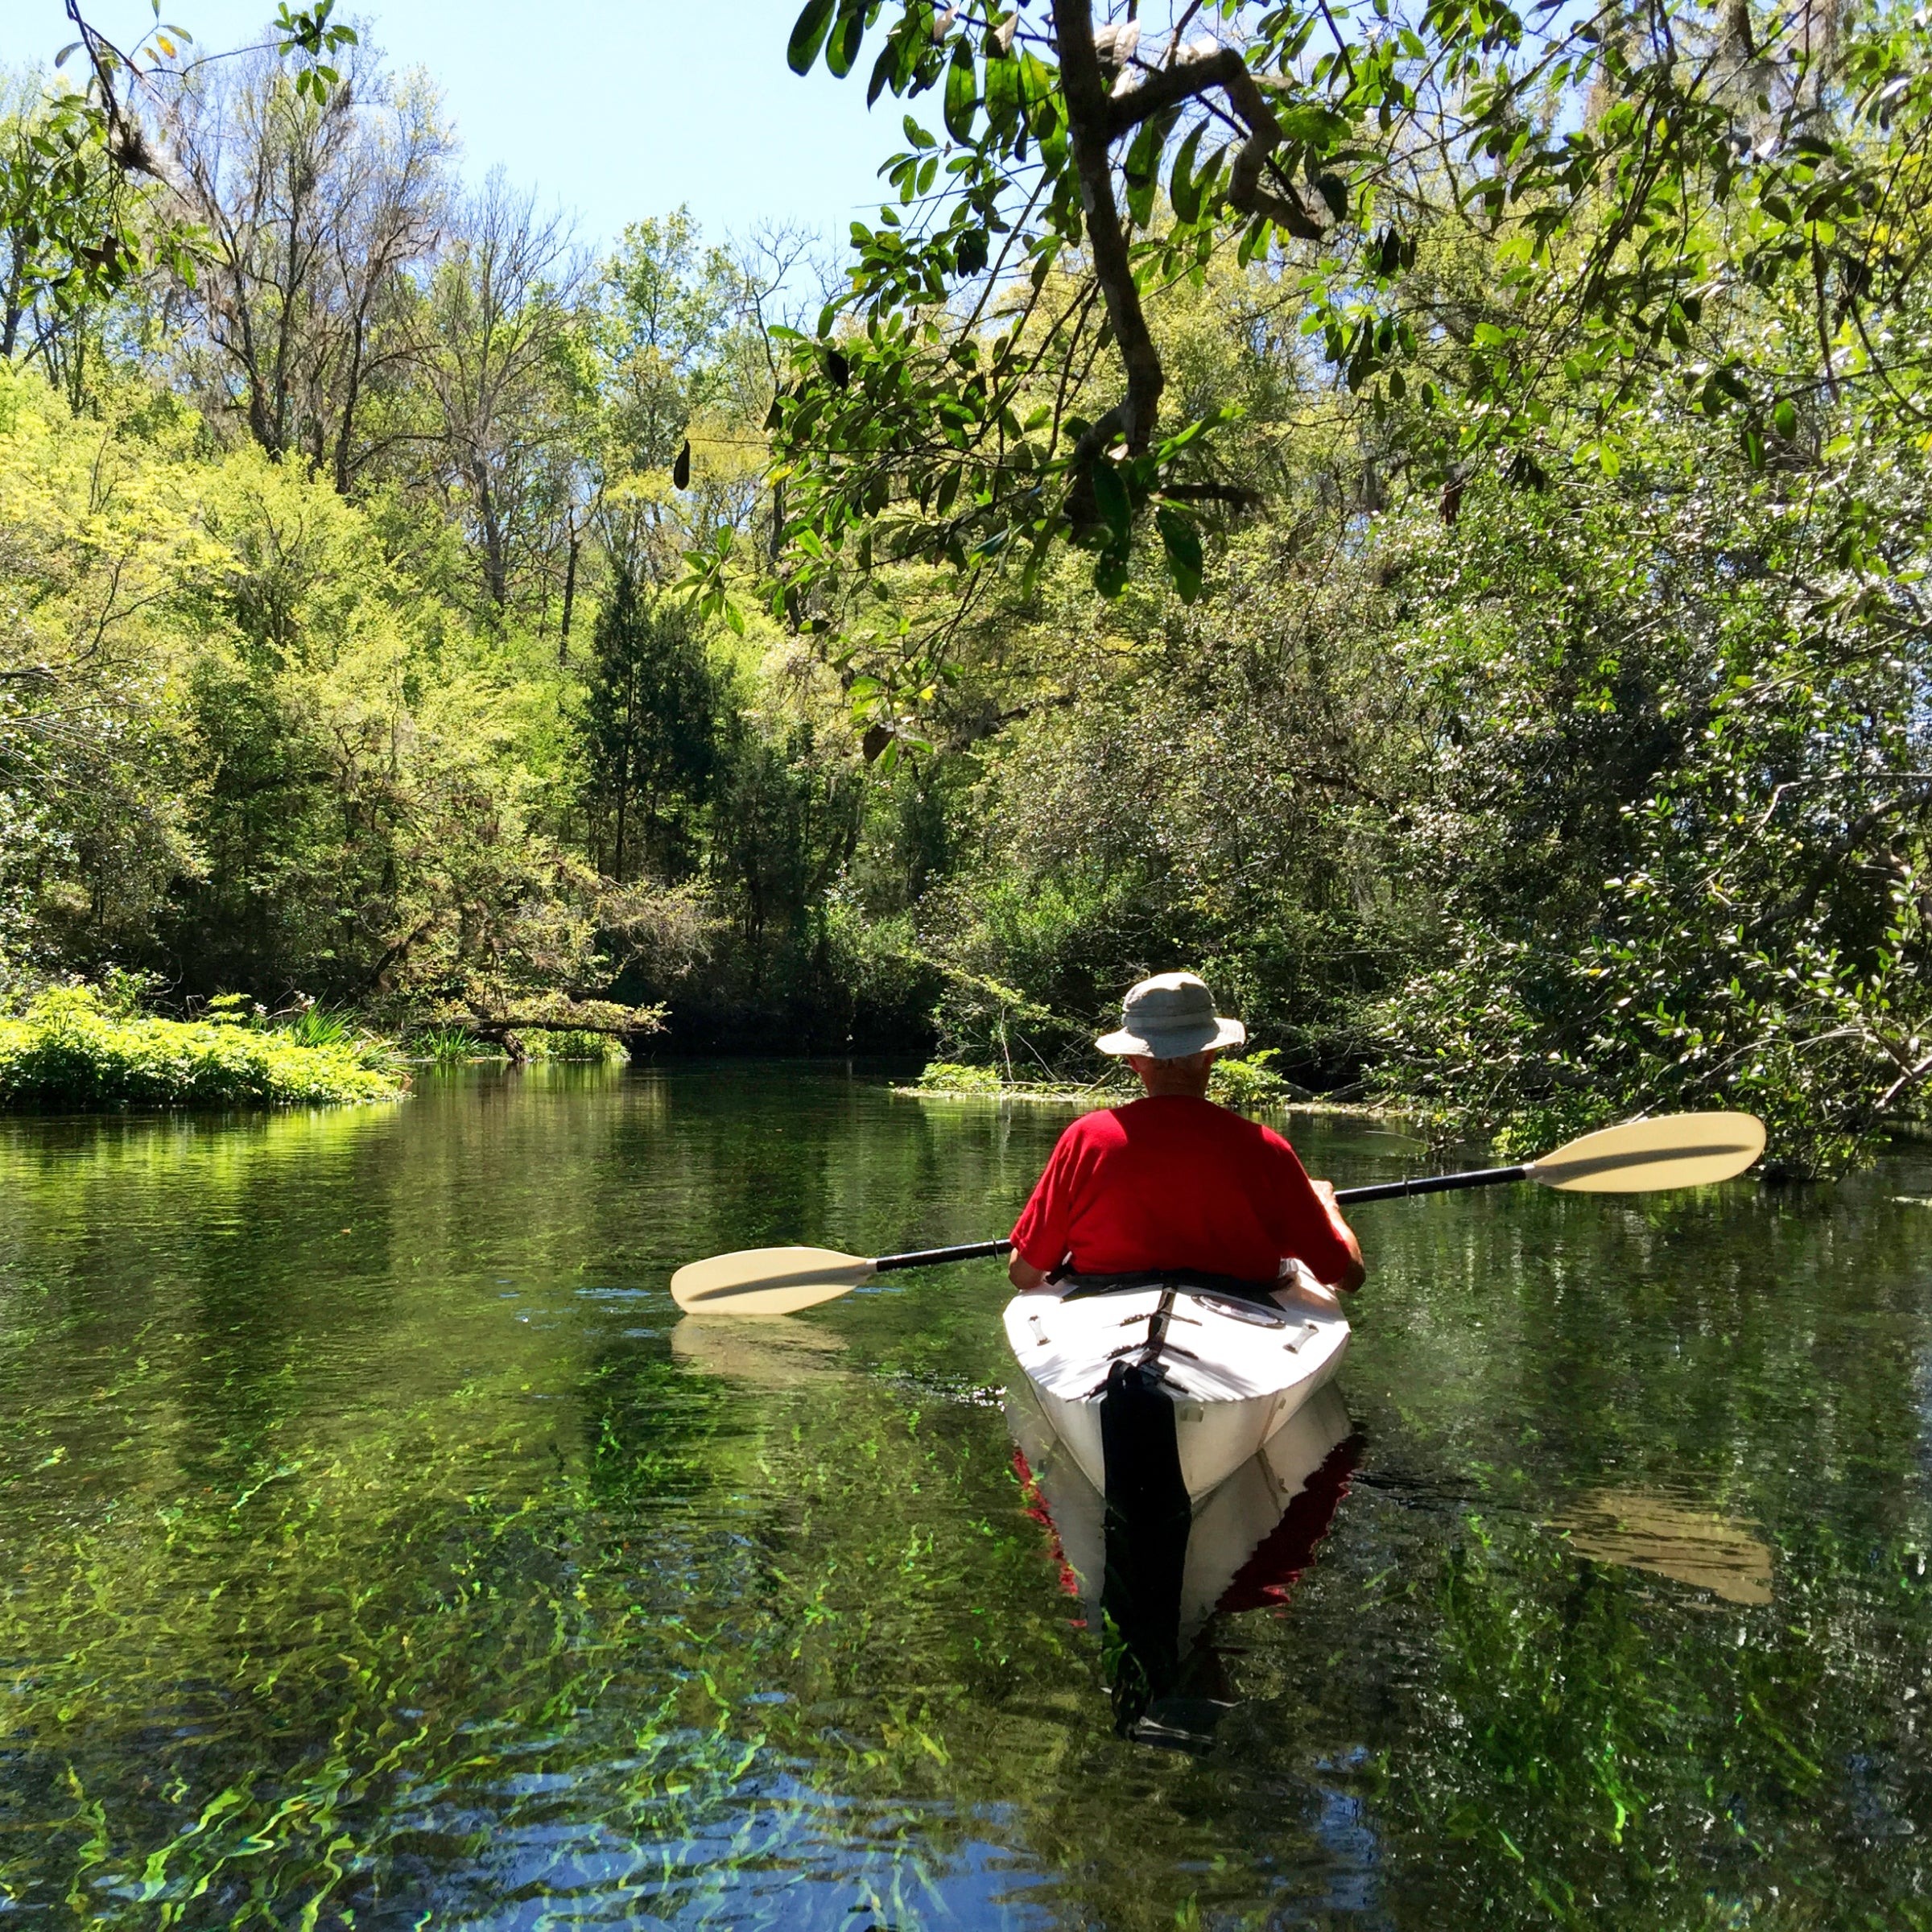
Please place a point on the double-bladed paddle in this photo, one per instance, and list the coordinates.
(1679, 1151)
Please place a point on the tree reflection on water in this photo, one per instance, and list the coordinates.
(378, 1543)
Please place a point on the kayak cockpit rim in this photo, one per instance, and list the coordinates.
(1073, 1287)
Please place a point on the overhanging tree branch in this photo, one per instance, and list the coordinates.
(1090, 126)
(1175, 86)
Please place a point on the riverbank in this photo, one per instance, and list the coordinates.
(1249, 1086)
(69, 1050)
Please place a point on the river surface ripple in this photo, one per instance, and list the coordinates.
(378, 1549)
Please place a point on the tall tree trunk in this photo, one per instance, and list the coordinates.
(351, 395)
(496, 568)
(570, 596)
(14, 309)
(624, 762)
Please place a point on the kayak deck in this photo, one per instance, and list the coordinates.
(1236, 1371)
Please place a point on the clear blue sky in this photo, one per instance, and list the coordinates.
(615, 111)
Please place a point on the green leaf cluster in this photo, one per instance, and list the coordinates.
(1621, 180)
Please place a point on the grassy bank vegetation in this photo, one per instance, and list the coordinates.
(1249, 1083)
(81, 1046)
(1526, 782)
(69, 1050)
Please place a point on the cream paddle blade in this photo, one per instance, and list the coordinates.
(1679, 1151)
(768, 1281)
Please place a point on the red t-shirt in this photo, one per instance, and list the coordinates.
(1176, 1183)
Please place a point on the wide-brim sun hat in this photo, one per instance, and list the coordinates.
(1169, 1017)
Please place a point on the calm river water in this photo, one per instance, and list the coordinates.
(378, 1549)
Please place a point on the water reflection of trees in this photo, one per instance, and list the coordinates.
(427, 1602)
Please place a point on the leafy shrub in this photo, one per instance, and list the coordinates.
(949, 1076)
(316, 1025)
(68, 1049)
(448, 1044)
(1250, 1084)
(574, 1045)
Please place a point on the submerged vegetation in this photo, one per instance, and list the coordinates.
(374, 1548)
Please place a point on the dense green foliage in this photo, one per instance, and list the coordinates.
(1553, 741)
(1623, 170)
(68, 1050)
(1529, 724)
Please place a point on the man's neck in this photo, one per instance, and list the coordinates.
(1174, 1087)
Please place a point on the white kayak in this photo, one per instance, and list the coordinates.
(1235, 1370)
(1226, 1528)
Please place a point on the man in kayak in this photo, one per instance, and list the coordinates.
(1172, 1181)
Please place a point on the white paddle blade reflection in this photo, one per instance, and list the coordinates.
(768, 1281)
(1679, 1151)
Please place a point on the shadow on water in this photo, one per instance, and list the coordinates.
(378, 1547)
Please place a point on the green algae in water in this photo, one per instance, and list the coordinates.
(379, 1550)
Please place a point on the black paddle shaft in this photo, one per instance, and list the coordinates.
(1387, 1191)
(1435, 1183)
(928, 1257)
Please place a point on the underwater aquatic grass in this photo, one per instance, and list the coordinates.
(373, 1552)
(1614, 1766)
(355, 1649)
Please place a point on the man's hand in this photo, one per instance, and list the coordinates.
(1023, 1274)
(1356, 1272)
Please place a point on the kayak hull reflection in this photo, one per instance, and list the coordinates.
(1235, 1372)
(1227, 1527)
